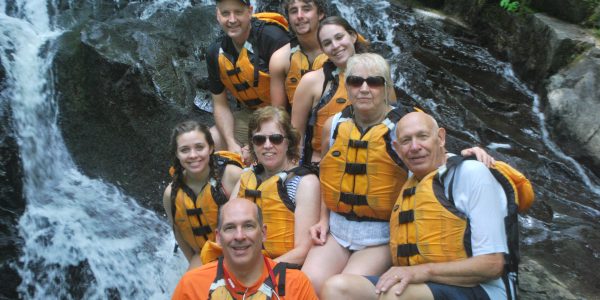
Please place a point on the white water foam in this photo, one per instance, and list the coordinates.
(82, 237)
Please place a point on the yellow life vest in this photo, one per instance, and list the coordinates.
(195, 217)
(331, 103)
(361, 176)
(422, 230)
(278, 210)
(300, 65)
(242, 77)
(273, 287)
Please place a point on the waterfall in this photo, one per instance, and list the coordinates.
(83, 238)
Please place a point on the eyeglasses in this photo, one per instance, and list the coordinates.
(259, 139)
(372, 81)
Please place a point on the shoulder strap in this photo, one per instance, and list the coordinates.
(280, 270)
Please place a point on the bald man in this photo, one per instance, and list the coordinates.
(458, 252)
(243, 272)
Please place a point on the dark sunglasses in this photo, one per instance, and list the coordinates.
(372, 81)
(259, 139)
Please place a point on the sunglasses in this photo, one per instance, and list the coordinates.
(259, 139)
(372, 81)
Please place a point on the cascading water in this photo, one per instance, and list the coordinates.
(83, 238)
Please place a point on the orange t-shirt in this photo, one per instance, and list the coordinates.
(195, 284)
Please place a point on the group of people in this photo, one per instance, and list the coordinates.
(347, 198)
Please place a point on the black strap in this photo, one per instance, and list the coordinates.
(235, 71)
(352, 216)
(280, 269)
(241, 86)
(194, 211)
(202, 231)
(409, 192)
(252, 193)
(406, 216)
(406, 250)
(353, 199)
(356, 169)
(253, 102)
(358, 144)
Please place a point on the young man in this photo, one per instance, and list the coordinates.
(243, 272)
(239, 63)
(301, 55)
(459, 250)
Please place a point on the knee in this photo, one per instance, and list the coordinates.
(336, 287)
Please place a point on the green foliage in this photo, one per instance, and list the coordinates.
(509, 5)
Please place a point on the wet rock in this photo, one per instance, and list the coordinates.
(124, 84)
(538, 283)
(574, 107)
(11, 200)
(574, 11)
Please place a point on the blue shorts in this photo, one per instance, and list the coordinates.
(449, 292)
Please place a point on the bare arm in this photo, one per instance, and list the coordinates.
(307, 94)
(278, 67)
(235, 191)
(306, 215)
(183, 245)
(224, 121)
(318, 232)
(467, 272)
(230, 178)
(481, 155)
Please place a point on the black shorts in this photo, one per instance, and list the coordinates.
(449, 292)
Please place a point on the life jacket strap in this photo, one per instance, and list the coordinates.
(235, 71)
(202, 231)
(353, 199)
(241, 86)
(194, 211)
(252, 193)
(406, 250)
(406, 216)
(358, 144)
(356, 169)
(409, 192)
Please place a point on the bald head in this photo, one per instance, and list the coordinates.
(420, 143)
(239, 204)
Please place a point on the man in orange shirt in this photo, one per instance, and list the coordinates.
(243, 272)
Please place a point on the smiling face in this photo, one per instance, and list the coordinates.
(234, 17)
(193, 152)
(240, 234)
(304, 17)
(337, 43)
(273, 157)
(420, 143)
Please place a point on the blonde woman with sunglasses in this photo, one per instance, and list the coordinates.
(287, 194)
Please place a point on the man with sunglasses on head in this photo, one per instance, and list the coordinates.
(239, 63)
(243, 272)
(301, 55)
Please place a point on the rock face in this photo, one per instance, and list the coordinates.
(11, 199)
(119, 101)
(574, 107)
(538, 47)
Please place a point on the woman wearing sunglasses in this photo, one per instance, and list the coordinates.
(288, 195)
(202, 181)
(322, 93)
(361, 176)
